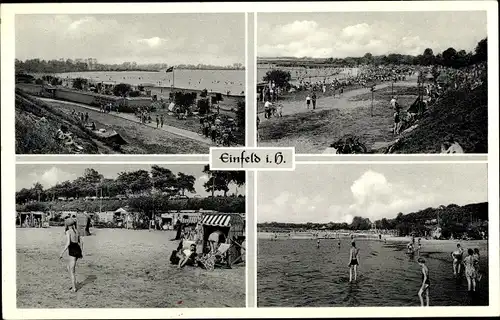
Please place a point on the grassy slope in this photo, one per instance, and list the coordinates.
(38, 137)
(462, 114)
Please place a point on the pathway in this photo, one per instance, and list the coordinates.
(131, 117)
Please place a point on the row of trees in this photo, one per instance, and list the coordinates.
(139, 182)
(448, 58)
(452, 219)
(80, 65)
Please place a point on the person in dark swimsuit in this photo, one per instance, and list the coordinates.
(74, 249)
(425, 283)
(353, 261)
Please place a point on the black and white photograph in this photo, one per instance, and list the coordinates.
(373, 235)
(129, 83)
(129, 236)
(373, 82)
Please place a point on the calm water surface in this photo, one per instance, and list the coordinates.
(295, 273)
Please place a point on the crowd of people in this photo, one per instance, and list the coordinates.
(219, 130)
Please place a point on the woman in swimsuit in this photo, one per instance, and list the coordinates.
(425, 283)
(470, 270)
(353, 261)
(74, 249)
(457, 259)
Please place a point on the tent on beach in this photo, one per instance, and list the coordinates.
(232, 226)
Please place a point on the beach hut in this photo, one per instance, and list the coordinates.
(32, 219)
(232, 226)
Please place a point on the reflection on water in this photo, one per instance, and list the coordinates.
(295, 273)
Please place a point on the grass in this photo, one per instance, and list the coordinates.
(34, 136)
(140, 139)
(312, 132)
(120, 269)
(461, 114)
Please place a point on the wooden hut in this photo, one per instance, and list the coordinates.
(232, 226)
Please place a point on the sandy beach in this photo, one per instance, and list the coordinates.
(120, 269)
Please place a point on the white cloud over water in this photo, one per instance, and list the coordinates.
(339, 193)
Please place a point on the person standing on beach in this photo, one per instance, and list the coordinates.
(157, 121)
(314, 100)
(425, 283)
(317, 243)
(308, 101)
(74, 249)
(457, 256)
(353, 261)
(470, 270)
(476, 264)
(161, 121)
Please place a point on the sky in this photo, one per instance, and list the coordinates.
(180, 38)
(338, 35)
(50, 175)
(336, 193)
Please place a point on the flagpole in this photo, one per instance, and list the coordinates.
(173, 77)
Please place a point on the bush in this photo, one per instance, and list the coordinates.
(134, 94)
(122, 89)
(203, 106)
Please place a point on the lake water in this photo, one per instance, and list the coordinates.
(295, 273)
(212, 80)
(311, 75)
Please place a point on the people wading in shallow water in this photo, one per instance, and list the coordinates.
(353, 261)
(470, 270)
(457, 256)
(425, 283)
(73, 243)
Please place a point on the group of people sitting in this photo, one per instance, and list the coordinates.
(65, 137)
(187, 254)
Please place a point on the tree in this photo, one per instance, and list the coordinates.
(136, 181)
(360, 223)
(279, 77)
(122, 89)
(184, 100)
(428, 57)
(203, 106)
(164, 179)
(240, 114)
(37, 190)
(481, 51)
(368, 58)
(80, 83)
(185, 183)
(449, 56)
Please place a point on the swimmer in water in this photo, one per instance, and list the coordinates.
(425, 283)
(353, 261)
(317, 243)
(457, 256)
(339, 243)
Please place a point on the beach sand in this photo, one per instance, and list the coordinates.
(120, 269)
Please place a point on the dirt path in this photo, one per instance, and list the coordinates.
(325, 103)
(131, 117)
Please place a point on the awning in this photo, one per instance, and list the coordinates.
(190, 220)
(217, 220)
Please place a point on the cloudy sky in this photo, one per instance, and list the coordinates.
(49, 175)
(337, 193)
(324, 35)
(181, 38)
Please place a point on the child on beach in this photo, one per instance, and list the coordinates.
(425, 283)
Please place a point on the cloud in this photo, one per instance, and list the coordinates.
(372, 196)
(307, 38)
(152, 42)
(49, 178)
